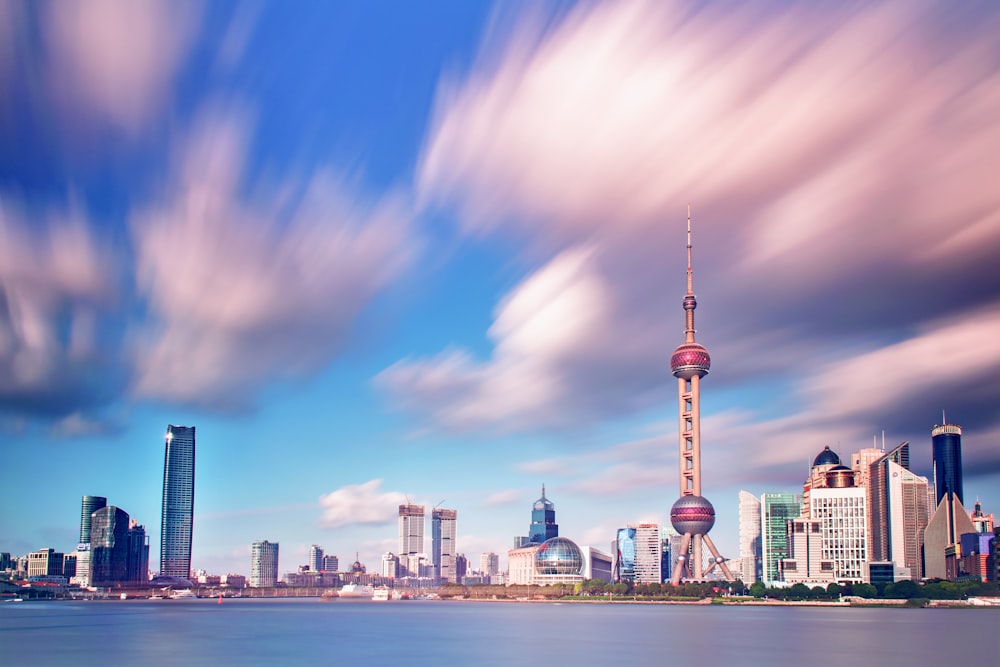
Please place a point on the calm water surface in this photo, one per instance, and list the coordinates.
(415, 633)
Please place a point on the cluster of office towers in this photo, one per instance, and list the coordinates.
(113, 550)
(872, 521)
(411, 560)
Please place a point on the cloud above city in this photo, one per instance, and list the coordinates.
(363, 504)
(839, 232)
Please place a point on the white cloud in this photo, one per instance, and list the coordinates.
(247, 286)
(556, 340)
(360, 504)
(117, 60)
(504, 497)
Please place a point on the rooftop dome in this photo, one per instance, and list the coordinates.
(559, 555)
(839, 477)
(690, 359)
(692, 514)
(826, 457)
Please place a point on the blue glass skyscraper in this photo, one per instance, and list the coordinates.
(947, 441)
(543, 520)
(178, 502)
(625, 555)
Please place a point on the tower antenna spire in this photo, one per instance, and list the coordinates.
(690, 284)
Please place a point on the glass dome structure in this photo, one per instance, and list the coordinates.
(559, 556)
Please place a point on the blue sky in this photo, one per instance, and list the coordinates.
(379, 251)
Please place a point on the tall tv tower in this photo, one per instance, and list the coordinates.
(692, 515)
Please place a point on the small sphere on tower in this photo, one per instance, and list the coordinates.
(690, 359)
(692, 514)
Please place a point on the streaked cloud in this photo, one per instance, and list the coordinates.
(116, 62)
(360, 504)
(248, 285)
(556, 361)
(57, 282)
(839, 161)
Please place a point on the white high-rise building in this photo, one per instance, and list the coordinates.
(648, 554)
(315, 558)
(443, 537)
(750, 538)
(390, 565)
(263, 564)
(411, 538)
(843, 516)
(489, 564)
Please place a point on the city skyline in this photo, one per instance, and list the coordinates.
(383, 256)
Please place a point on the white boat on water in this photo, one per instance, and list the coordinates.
(183, 594)
(357, 591)
(381, 594)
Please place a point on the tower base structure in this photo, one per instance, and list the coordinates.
(683, 569)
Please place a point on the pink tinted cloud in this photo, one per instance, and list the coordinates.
(53, 272)
(837, 158)
(796, 130)
(250, 285)
(116, 60)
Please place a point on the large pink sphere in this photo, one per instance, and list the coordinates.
(690, 359)
(692, 515)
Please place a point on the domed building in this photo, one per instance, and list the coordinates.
(560, 557)
(544, 558)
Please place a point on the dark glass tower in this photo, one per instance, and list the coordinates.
(89, 505)
(543, 520)
(178, 502)
(109, 546)
(138, 554)
(947, 441)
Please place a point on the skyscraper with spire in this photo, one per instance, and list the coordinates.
(543, 520)
(692, 515)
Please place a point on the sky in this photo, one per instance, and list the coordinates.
(381, 252)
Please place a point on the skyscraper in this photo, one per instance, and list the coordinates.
(443, 535)
(947, 444)
(897, 501)
(543, 520)
(489, 564)
(177, 517)
(949, 520)
(109, 546)
(263, 564)
(137, 569)
(750, 552)
(843, 515)
(776, 509)
(648, 554)
(411, 539)
(88, 506)
(692, 515)
(315, 558)
(624, 552)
